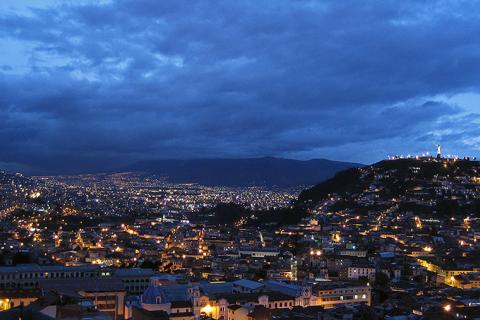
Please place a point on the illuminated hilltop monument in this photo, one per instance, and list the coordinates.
(427, 157)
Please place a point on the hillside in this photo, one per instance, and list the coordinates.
(15, 188)
(422, 186)
(266, 171)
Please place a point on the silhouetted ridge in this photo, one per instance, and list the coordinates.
(266, 171)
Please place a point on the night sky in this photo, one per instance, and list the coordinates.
(99, 84)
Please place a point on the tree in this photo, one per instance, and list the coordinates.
(381, 279)
(21, 258)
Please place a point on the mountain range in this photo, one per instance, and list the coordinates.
(267, 171)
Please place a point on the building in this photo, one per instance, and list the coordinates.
(107, 295)
(445, 274)
(226, 300)
(466, 281)
(335, 294)
(135, 280)
(12, 298)
(28, 276)
(247, 286)
(236, 300)
(358, 271)
(237, 312)
(259, 252)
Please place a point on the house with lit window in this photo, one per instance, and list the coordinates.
(13, 298)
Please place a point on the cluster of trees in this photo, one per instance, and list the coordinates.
(231, 213)
(16, 258)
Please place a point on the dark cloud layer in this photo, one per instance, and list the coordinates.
(89, 86)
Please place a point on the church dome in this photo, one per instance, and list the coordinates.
(154, 295)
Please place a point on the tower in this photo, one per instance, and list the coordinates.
(193, 293)
(439, 151)
(304, 294)
(294, 269)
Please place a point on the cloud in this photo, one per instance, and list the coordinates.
(87, 86)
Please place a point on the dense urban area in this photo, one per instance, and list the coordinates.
(399, 239)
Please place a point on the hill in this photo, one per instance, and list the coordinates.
(423, 186)
(266, 171)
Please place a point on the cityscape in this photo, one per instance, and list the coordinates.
(239, 160)
(396, 238)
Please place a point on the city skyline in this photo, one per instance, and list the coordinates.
(239, 160)
(96, 84)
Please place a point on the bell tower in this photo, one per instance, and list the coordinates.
(193, 293)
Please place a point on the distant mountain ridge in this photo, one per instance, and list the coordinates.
(267, 171)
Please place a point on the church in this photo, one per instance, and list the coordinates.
(224, 300)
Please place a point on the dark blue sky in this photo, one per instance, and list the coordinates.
(97, 84)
